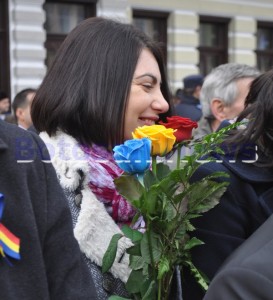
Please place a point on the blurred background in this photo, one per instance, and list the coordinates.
(196, 35)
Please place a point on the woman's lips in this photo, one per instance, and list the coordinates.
(147, 122)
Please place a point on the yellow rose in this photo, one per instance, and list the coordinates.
(162, 138)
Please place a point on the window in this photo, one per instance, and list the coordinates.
(61, 17)
(264, 50)
(213, 43)
(153, 24)
(4, 48)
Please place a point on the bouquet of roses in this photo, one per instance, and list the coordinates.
(166, 200)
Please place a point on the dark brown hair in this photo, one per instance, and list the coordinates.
(85, 92)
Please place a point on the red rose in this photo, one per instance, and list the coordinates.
(183, 127)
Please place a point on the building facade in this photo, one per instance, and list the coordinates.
(197, 35)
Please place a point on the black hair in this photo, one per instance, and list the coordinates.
(86, 90)
(20, 100)
(259, 111)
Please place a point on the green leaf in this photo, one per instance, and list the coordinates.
(199, 276)
(167, 227)
(162, 170)
(204, 195)
(135, 281)
(110, 254)
(138, 203)
(167, 185)
(134, 250)
(181, 231)
(149, 179)
(170, 212)
(133, 234)
(163, 267)
(213, 198)
(154, 244)
(151, 200)
(179, 175)
(129, 187)
(192, 243)
(136, 262)
(145, 270)
(188, 225)
(217, 175)
(150, 292)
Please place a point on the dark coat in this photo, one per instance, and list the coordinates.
(246, 204)
(189, 107)
(247, 274)
(51, 265)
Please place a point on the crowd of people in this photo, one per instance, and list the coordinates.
(107, 79)
(246, 204)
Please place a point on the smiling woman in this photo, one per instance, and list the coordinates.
(146, 101)
(108, 78)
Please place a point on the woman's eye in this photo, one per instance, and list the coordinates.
(147, 86)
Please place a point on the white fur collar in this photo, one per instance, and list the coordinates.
(95, 227)
(66, 157)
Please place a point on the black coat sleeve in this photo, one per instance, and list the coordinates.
(240, 283)
(247, 273)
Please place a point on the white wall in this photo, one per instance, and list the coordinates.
(27, 37)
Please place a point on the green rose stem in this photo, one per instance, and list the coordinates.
(154, 164)
(178, 156)
(149, 229)
(159, 290)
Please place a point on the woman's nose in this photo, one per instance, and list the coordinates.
(160, 103)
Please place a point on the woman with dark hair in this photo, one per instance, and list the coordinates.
(247, 203)
(107, 79)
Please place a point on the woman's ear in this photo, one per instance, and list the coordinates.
(218, 109)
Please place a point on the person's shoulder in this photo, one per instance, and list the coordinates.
(9, 132)
(238, 283)
(251, 262)
(33, 129)
(27, 145)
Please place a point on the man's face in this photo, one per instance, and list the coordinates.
(23, 113)
(237, 107)
(4, 105)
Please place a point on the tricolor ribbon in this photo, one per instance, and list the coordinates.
(9, 243)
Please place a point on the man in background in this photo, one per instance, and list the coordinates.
(223, 95)
(21, 107)
(189, 105)
(4, 105)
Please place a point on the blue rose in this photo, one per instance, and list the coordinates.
(134, 155)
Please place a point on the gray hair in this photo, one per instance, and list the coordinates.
(221, 83)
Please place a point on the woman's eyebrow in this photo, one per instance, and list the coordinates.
(148, 74)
